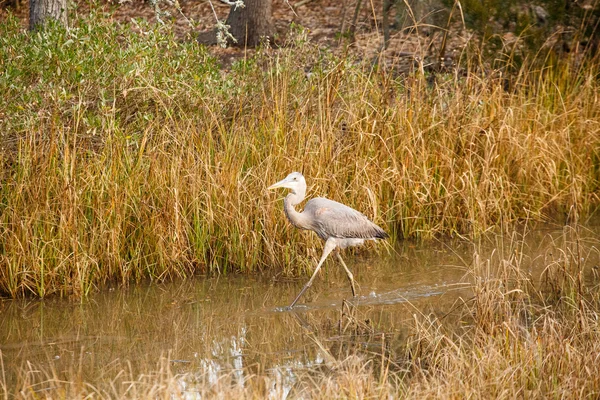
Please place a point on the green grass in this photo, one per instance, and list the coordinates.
(127, 154)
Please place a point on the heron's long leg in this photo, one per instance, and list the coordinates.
(350, 276)
(329, 246)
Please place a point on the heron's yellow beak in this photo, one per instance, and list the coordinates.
(276, 185)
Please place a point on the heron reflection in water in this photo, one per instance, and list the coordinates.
(337, 224)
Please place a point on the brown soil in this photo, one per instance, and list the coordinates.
(323, 19)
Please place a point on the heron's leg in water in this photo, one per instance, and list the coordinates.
(329, 246)
(350, 276)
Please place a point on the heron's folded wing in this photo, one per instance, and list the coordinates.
(333, 219)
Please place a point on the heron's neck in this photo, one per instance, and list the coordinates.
(296, 218)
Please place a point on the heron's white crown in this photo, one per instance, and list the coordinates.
(293, 181)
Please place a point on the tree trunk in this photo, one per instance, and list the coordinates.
(251, 23)
(41, 10)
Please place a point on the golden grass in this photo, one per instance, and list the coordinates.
(526, 339)
(512, 338)
(149, 161)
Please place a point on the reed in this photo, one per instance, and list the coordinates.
(516, 336)
(128, 155)
(525, 337)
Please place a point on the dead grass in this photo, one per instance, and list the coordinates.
(148, 161)
(517, 336)
(524, 340)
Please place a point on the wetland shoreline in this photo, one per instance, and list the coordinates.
(436, 319)
(149, 161)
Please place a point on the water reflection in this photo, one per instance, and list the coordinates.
(229, 330)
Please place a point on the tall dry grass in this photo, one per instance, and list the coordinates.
(522, 337)
(128, 155)
(517, 336)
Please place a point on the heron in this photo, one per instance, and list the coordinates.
(337, 224)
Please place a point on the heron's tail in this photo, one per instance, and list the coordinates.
(381, 234)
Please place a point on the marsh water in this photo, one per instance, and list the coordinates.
(238, 325)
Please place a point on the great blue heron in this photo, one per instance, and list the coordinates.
(337, 224)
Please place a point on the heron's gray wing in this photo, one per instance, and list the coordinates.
(332, 219)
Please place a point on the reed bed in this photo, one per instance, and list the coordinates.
(127, 154)
(528, 337)
(517, 336)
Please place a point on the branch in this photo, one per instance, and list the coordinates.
(234, 3)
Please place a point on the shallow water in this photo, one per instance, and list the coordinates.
(239, 325)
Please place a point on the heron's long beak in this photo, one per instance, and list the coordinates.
(277, 185)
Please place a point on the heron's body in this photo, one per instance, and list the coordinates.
(339, 225)
(330, 219)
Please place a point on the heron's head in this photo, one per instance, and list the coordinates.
(294, 181)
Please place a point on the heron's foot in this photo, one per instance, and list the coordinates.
(294, 307)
